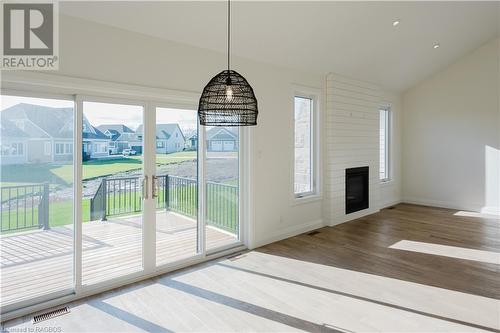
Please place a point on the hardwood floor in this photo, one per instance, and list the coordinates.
(411, 268)
(364, 245)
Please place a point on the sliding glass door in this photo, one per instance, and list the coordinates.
(222, 227)
(176, 185)
(36, 194)
(112, 180)
(154, 190)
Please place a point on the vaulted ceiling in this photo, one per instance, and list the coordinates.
(356, 39)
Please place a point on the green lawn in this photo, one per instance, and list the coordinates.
(175, 157)
(61, 175)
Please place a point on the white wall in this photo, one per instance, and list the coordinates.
(451, 135)
(352, 140)
(94, 51)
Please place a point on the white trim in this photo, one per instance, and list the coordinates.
(247, 223)
(315, 95)
(388, 147)
(306, 199)
(290, 232)
(149, 203)
(442, 204)
(201, 149)
(352, 216)
(46, 83)
(78, 195)
(389, 204)
(491, 210)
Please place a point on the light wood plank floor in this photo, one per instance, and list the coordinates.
(407, 269)
(40, 262)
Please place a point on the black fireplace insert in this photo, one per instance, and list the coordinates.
(356, 189)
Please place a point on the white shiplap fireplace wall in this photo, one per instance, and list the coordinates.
(352, 140)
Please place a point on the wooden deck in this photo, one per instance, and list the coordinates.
(39, 262)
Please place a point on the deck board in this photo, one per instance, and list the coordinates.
(40, 262)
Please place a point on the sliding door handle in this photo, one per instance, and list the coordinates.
(145, 187)
(154, 187)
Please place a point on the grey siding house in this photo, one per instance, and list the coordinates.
(95, 143)
(169, 138)
(120, 137)
(13, 144)
(222, 139)
(49, 131)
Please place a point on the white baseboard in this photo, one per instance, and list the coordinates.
(389, 204)
(490, 210)
(349, 217)
(290, 232)
(441, 204)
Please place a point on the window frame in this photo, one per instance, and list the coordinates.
(315, 192)
(59, 148)
(388, 144)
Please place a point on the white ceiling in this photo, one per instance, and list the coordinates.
(356, 39)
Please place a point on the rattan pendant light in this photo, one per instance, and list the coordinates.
(228, 99)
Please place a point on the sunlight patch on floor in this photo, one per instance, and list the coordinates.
(448, 251)
(351, 294)
(476, 214)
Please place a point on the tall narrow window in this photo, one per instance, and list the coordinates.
(304, 147)
(385, 135)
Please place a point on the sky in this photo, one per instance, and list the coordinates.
(105, 113)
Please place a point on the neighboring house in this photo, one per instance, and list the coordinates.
(48, 132)
(120, 137)
(13, 144)
(192, 142)
(222, 139)
(169, 138)
(95, 143)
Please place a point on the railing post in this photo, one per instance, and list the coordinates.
(166, 191)
(45, 207)
(104, 195)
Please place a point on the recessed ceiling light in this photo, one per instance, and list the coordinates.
(436, 45)
(396, 23)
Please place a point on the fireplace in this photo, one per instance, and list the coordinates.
(356, 189)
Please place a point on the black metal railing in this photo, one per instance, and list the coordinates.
(222, 206)
(24, 207)
(178, 194)
(117, 196)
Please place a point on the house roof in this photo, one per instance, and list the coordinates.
(46, 122)
(50, 122)
(111, 133)
(115, 128)
(163, 131)
(9, 130)
(91, 132)
(221, 133)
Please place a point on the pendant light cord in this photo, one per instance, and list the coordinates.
(228, 33)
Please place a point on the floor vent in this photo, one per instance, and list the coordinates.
(312, 233)
(50, 314)
(392, 207)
